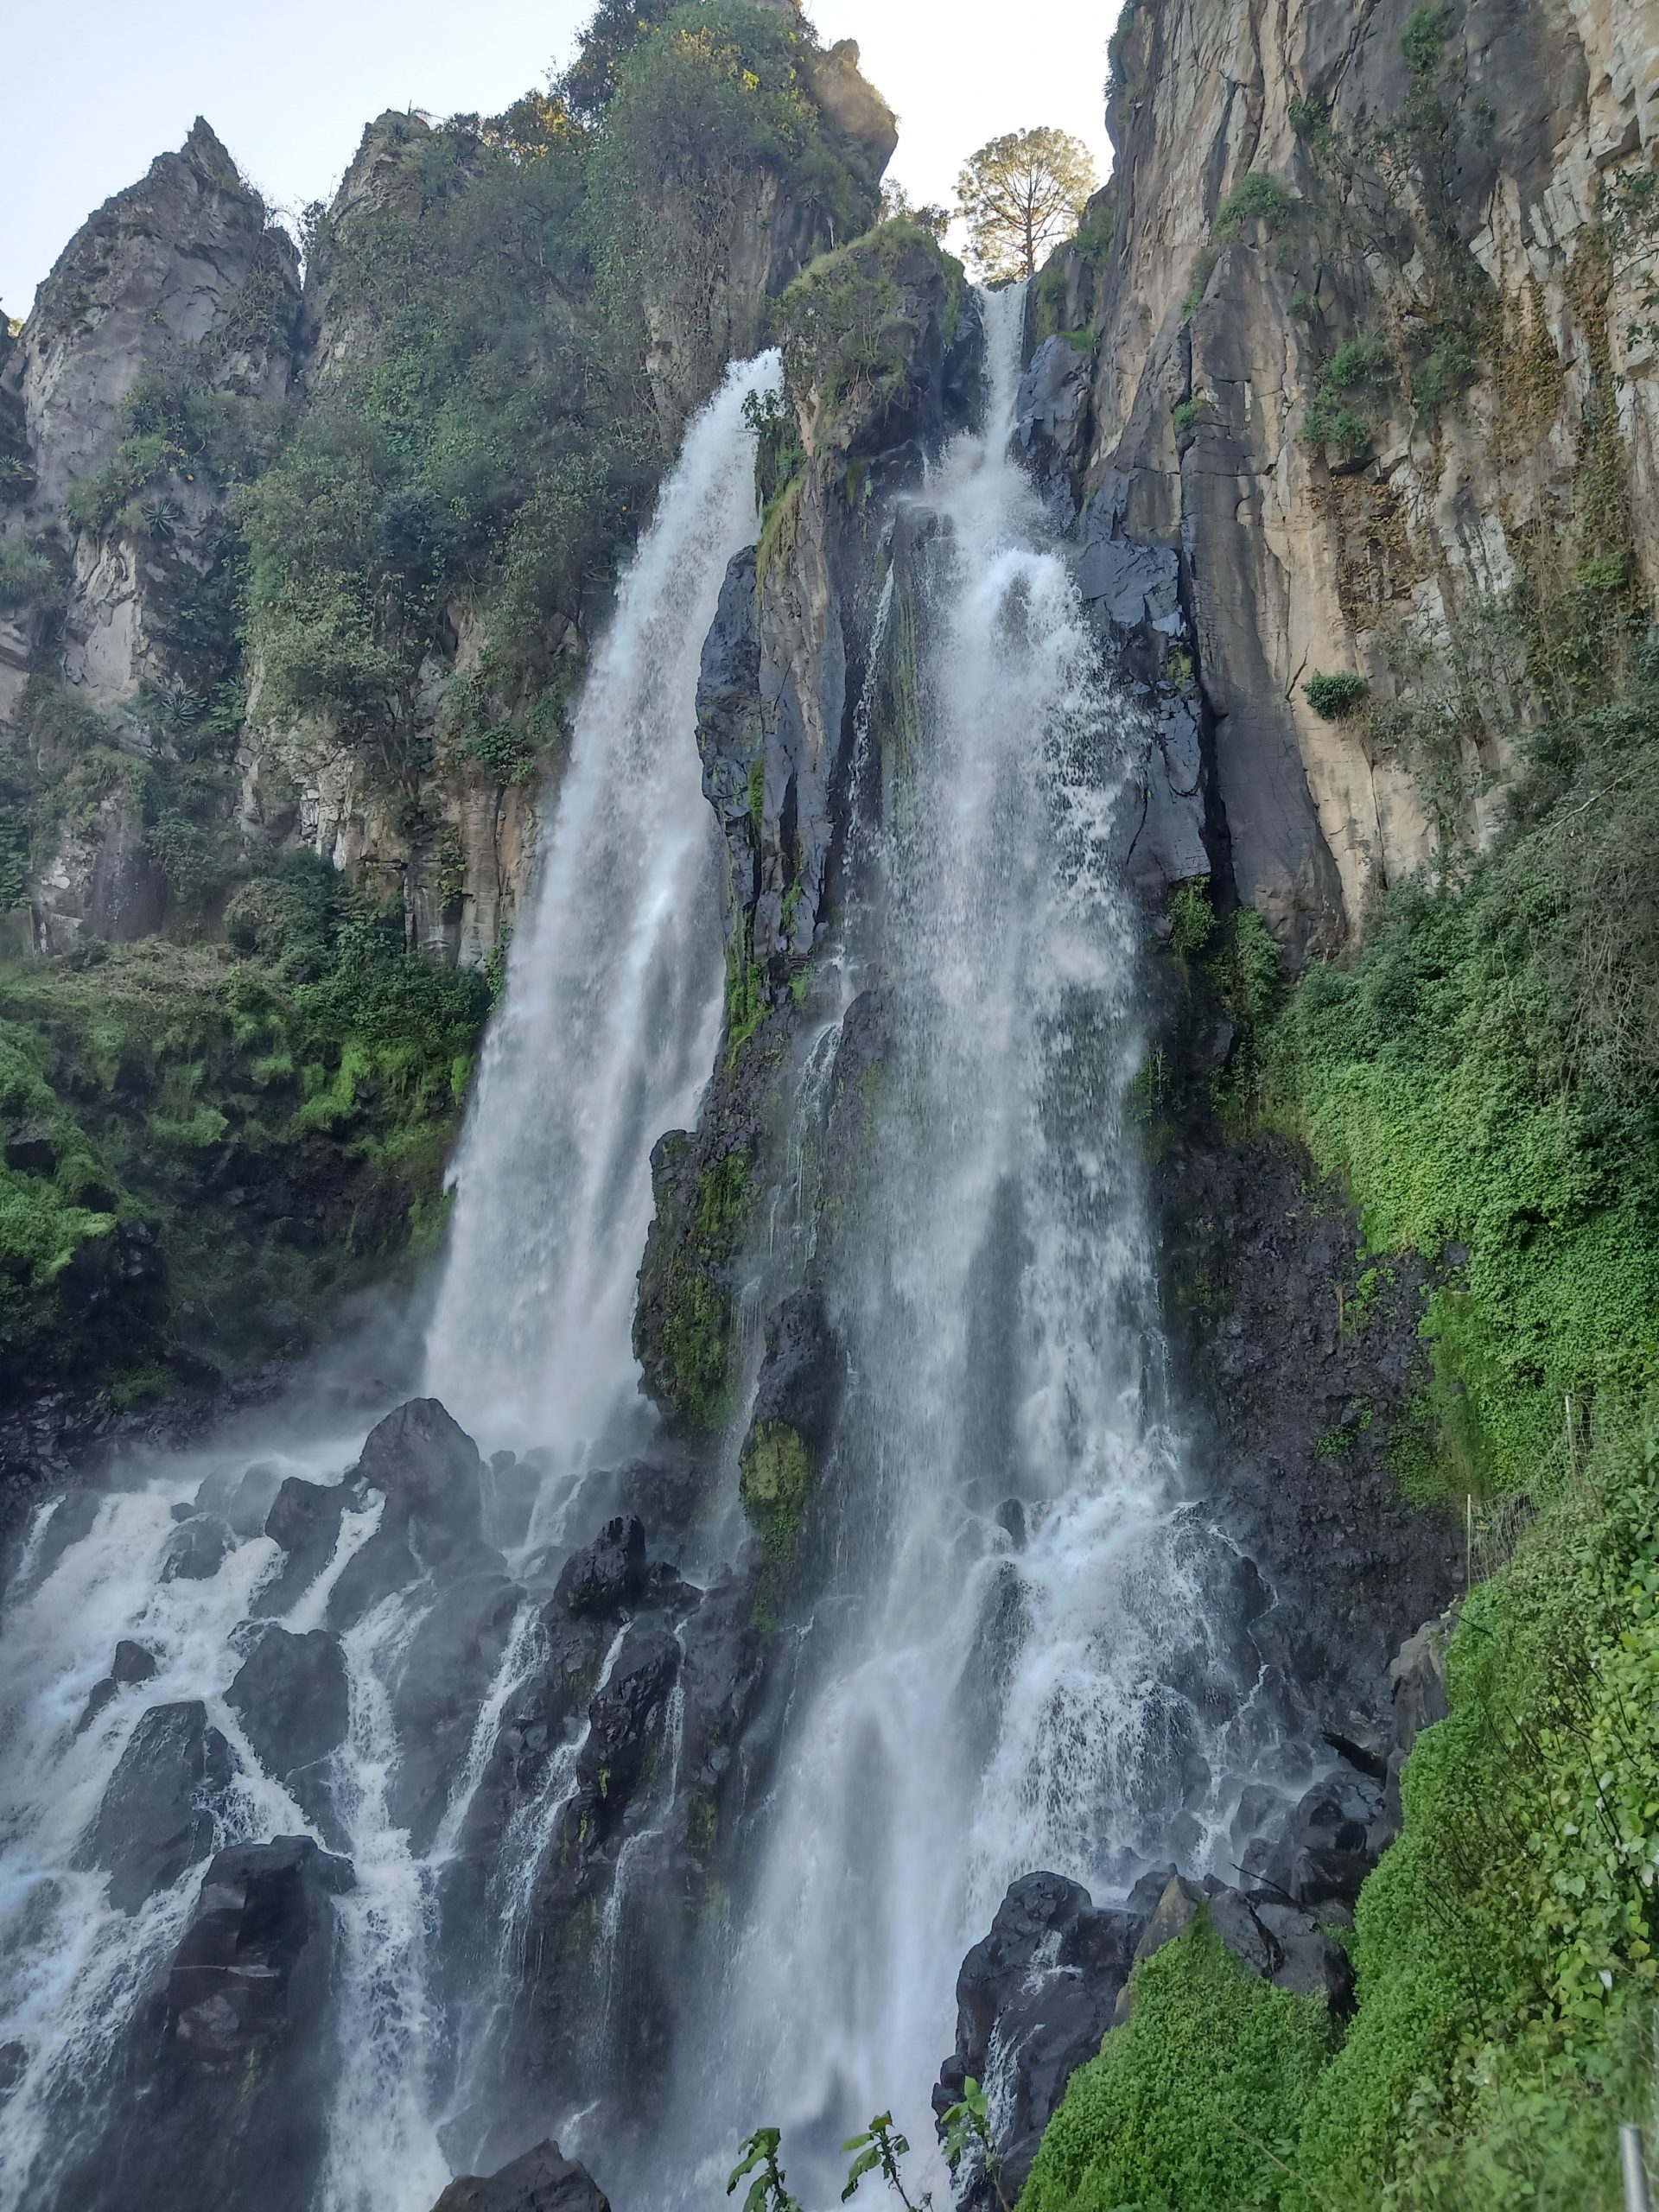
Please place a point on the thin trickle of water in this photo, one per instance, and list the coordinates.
(381, 2125)
(613, 1008)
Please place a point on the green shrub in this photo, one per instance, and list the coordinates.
(1482, 1073)
(1192, 919)
(28, 578)
(1333, 698)
(1198, 284)
(1253, 199)
(850, 323)
(1196, 2103)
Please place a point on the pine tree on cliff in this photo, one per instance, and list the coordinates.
(1020, 195)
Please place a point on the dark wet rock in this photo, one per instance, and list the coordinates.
(428, 1470)
(14, 2063)
(542, 2181)
(607, 1575)
(1301, 1393)
(32, 1149)
(1326, 1849)
(1310, 1961)
(804, 1370)
(158, 1815)
(1042, 1986)
(446, 1672)
(131, 1665)
(248, 1496)
(262, 1909)
(224, 2093)
(304, 1519)
(72, 1521)
(625, 1719)
(1052, 416)
(198, 1548)
(722, 1653)
(292, 1698)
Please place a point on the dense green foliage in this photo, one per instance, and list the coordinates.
(259, 1128)
(1484, 1076)
(850, 323)
(1193, 2104)
(1253, 199)
(1331, 697)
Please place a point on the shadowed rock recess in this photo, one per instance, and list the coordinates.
(1006, 1474)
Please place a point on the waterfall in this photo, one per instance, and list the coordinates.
(608, 1032)
(1020, 1659)
(612, 1006)
(1018, 1680)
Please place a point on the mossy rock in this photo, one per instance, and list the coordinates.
(775, 1482)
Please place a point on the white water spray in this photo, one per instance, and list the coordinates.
(992, 1708)
(613, 1001)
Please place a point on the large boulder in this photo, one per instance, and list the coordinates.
(197, 1548)
(253, 1962)
(159, 1814)
(544, 2180)
(222, 2096)
(131, 1665)
(291, 1697)
(451, 1661)
(428, 1470)
(304, 1520)
(608, 1576)
(1041, 1987)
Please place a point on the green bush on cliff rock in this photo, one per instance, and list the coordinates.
(775, 1483)
(1483, 1074)
(849, 323)
(1253, 199)
(316, 1082)
(1196, 2102)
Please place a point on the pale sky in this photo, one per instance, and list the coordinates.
(96, 88)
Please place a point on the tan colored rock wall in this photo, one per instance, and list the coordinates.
(1299, 562)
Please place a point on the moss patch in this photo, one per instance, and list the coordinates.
(775, 1483)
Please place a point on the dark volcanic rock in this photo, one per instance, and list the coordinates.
(304, 1519)
(624, 1719)
(446, 1672)
(198, 1548)
(1327, 1847)
(805, 1369)
(608, 1574)
(223, 2096)
(1043, 1985)
(542, 2181)
(291, 1697)
(1303, 1379)
(131, 1665)
(1051, 413)
(238, 1977)
(159, 1811)
(428, 1471)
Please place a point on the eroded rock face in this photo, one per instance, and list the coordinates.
(159, 268)
(1210, 344)
(158, 1814)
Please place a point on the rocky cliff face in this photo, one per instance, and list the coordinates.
(119, 476)
(1364, 325)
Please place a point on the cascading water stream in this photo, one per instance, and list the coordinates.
(613, 1008)
(992, 1705)
(608, 1030)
